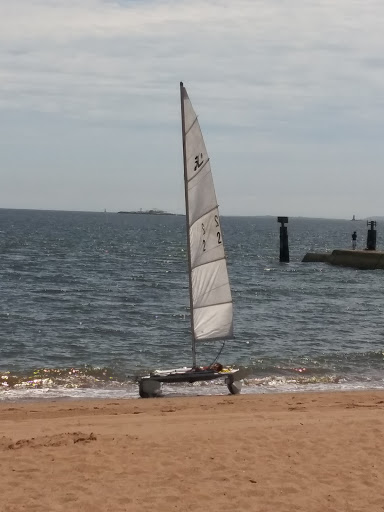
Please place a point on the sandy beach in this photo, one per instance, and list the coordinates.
(275, 452)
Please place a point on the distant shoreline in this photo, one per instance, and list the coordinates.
(149, 212)
(159, 212)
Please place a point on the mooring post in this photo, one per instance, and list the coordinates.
(284, 249)
(371, 236)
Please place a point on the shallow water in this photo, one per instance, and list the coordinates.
(89, 301)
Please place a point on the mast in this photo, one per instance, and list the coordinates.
(187, 225)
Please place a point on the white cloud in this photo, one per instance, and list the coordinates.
(292, 54)
(288, 47)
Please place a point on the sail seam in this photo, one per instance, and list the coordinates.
(227, 337)
(198, 172)
(209, 262)
(204, 214)
(214, 289)
(190, 128)
(216, 304)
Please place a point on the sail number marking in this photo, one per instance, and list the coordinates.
(204, 231)
(198, 163)
(218, 233)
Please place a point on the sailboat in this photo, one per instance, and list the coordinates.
(211, 310)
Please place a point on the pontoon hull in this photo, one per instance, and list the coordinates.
(150, 385)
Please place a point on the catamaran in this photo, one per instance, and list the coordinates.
(210, 296)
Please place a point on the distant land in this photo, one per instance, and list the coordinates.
(368, 219)
(155, 211)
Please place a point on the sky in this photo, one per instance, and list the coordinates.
(289, 93)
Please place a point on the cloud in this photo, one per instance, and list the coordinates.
(271, 80)
(292, 55)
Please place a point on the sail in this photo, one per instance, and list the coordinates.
(211, 300)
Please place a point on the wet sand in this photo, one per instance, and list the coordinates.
(276, 452)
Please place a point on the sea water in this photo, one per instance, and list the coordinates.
(91, 301)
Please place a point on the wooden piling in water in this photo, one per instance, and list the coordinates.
(284, 247)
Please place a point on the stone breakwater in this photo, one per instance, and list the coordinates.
(366, 260)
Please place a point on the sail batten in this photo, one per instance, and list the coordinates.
(218, 259)
(202, 168)
(221, 303)
(210, 293)
(197, 220)
(186, 133)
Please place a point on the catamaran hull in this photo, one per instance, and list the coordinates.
(234, 386)
(150, 386)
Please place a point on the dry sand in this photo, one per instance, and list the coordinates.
(277, 452)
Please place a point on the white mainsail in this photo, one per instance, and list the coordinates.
(210, 293)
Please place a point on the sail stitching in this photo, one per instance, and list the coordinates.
(214, 289)
(198, 172)
(224, 337)
(209, 262)
(190, 128)
(212, 305)
(203, 215)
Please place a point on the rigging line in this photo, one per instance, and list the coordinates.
(218, 355)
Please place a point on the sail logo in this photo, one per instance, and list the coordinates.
(198, 163)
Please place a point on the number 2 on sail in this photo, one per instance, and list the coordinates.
(203, 230)
(218, 233)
